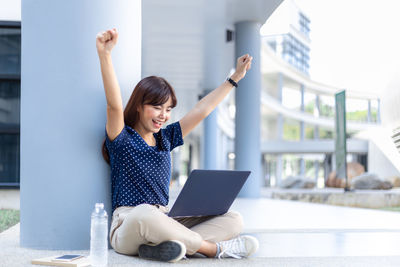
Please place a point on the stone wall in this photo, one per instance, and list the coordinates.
(333, 196)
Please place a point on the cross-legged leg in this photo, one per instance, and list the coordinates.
(214, 229)
(145, 224)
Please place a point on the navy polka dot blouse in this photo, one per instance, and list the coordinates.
(141, 173)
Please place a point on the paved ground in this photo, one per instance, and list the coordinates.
(290, 234)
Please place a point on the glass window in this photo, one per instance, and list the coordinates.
(314, 164)
(9, 159)
(325, 133)
(309, 131)
(291, 130)
(309, 168)
(270, 170)
(327, 106)
(10, 51)
(309, 102)
(356, 109)
(374, 110)
(10, 90)
(304, 24)
(295, 53)
(291, 165)
(269, 125)
(291, 98)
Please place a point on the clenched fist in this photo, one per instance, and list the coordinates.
(243, 64)
(105, 41)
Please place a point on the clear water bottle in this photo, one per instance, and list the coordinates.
(99, 236)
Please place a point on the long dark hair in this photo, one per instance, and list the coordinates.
(151, 90)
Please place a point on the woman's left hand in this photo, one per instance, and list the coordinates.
(243, 64)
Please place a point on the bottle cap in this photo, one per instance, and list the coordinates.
(99, 206)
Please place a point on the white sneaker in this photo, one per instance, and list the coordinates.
(242, 246)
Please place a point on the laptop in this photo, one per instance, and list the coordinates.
(208, 192)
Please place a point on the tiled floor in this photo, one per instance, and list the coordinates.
(329, 244)
(268, 215)
(290, 234)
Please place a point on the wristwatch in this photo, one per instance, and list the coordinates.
(232, 82)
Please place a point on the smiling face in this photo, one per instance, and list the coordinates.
(153, 117)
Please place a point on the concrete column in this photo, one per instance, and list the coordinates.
(247, 126)
(326, 167)
(302, 131)
(316, 128)
(302, 166)
(316, 166)
(210, 143)
(214, 75)
(302, 108)
(280, 97)
(63, 114)
(176, 164)
(224, 145)
(369, 118)
(279, 158)
(279, 169)
(378, 115)
(316, 135)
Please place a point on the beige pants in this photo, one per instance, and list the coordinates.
(143, 224)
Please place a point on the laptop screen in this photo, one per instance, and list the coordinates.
(208, 192)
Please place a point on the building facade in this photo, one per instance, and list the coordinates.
(298, 112)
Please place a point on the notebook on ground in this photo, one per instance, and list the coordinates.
(208, 192)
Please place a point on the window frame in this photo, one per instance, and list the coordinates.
(12, 130)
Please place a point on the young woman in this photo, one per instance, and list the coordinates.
(138, 151)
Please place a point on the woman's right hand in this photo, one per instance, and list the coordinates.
(105, 41)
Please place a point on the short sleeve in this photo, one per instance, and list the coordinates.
(173, 135)
(113, 145)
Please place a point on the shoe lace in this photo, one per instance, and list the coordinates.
(234, 248)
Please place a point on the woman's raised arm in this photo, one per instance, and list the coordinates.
(105, 42)
(208, 103)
